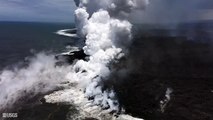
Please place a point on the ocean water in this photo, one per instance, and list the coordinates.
(23, 39)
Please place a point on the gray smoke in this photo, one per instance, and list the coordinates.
(173, 11)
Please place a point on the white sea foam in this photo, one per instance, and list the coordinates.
(64, 32)
(86, 108)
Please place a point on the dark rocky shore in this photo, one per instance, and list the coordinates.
(156, 63)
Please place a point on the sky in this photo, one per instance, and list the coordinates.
(175, 11)
(37, 10)
(158, 11)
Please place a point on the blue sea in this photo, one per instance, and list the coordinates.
(23, 39)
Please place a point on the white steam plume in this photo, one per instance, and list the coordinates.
(39, 77)
(107, 31)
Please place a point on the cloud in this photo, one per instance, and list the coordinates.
(37, 10)
(174, 11)
(206, 14)
(62, 10)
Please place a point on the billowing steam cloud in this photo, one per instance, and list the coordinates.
(104, 25)
(39, 77)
